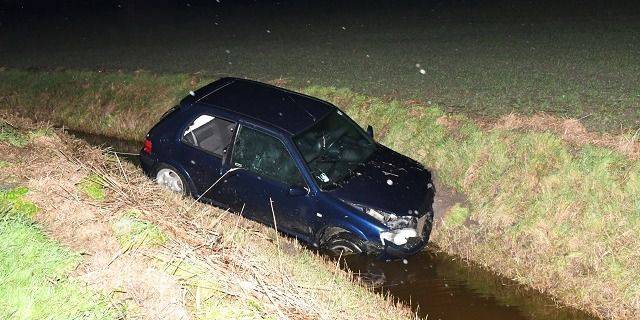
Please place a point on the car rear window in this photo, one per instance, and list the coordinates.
(209, 133)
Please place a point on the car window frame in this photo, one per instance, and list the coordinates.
(186, 125)
(232, 163)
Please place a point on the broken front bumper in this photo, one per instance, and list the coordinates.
(413, 245)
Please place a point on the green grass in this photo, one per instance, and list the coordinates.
(457, 216)
(93, 187)
(132, 231)
(12, 136)
(17, 138)
(34, 270)
(13, 204)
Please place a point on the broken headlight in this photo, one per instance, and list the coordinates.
(400, 227)
(390, 220)
(398, 236)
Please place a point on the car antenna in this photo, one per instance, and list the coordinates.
(303, 109)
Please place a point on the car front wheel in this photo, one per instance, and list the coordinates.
(344, 243)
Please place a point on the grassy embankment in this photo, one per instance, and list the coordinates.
(549, 204)
(35, 270)
(146, 253)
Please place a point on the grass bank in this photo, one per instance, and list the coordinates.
(146, 252)
(550, 204)
(35, 270)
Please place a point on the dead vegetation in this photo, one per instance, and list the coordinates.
(570, 130)
(214, 265)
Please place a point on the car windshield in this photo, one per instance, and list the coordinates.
(333, 148)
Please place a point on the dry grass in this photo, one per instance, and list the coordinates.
(214, 265)
(570, 130)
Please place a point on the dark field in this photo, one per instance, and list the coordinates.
(479, 59)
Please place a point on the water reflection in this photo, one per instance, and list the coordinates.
(442, 287)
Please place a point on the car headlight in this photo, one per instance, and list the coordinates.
(401, 227)
(398, 236)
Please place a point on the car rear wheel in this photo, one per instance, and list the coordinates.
(168, 177)
(344, 243)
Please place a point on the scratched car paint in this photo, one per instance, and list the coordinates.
(278, 156)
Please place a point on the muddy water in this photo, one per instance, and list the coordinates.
(442, 287)
(435, 285)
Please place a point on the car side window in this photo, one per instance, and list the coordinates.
(265, 155)
(209, 133)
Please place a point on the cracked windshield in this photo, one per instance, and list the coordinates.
(333, 148)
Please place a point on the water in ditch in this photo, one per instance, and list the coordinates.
(434, 284)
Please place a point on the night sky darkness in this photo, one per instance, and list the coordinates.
(13, 11)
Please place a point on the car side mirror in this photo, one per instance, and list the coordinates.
(370, 131)
(297, 191)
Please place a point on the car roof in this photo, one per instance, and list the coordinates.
(287, 110)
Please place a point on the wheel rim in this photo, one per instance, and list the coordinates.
(344, 249)
(170, 179)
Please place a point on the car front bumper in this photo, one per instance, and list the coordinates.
(413, 245)
(389, 251)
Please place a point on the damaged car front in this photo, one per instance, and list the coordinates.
(378, 194)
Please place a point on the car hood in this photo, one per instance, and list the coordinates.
(391, 182)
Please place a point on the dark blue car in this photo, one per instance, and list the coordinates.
(266, 152)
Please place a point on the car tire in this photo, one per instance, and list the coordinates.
(170, 178)
(344, 243)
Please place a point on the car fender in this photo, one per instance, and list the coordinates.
(332, 227)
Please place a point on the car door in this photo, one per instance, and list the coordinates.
(263, 178)
(204, 143)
